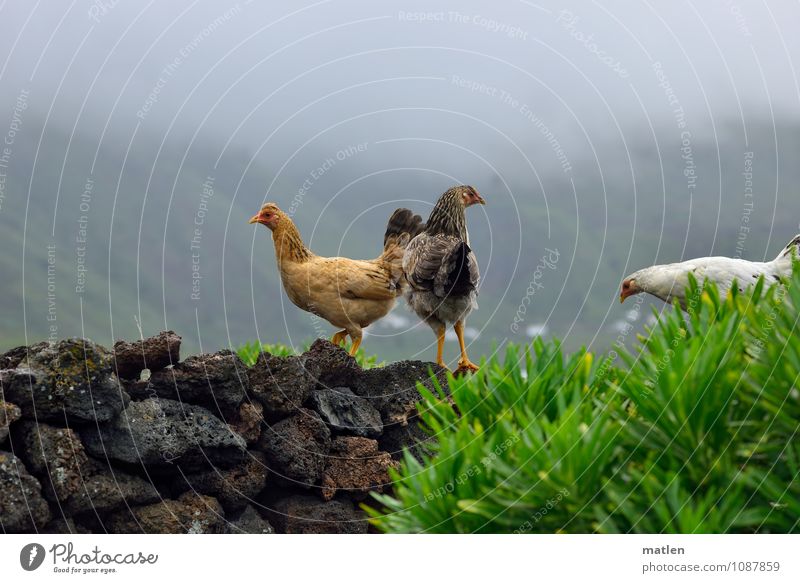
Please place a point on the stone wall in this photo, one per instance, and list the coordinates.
(133, 440)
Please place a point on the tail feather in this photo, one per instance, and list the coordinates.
(794, 244)
(403, 226)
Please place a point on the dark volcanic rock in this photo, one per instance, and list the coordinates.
(13, 357)
(189, 514)
(162, 433)
(217, 382)
(152, 353)
(249, 422)
(72, 377)
(296, 448)
(397, 438)
(9, 413)
(344, 411)
(281, 384)
(22, 507)
(392, 389)
(355, 464)
(64, 526)
(309, 515)
(250, 522)
(331, 365)
(79, 484)
(234, 488)
(107, 490)
(55, 455)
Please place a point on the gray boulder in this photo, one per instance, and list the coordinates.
(164, 433)
(154, 354)
(217, 382)
(250, 522)
(72, 377)
(344, 411)
(309, 515)
(296, 448)
(22, 507)
(281, 384)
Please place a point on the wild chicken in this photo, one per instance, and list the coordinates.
(442, 271)
(350, 294)
(667, 282)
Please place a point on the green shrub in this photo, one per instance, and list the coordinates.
(695, 432)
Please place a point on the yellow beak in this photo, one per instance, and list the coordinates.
(253, 220)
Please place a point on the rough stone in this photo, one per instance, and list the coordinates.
(71, 378)
(392, 389)
(249, 422)
(309, 515)
(154, 354)
(189, 514)
(331, 365)
(164, 433)
(281, 384)
(216, 381)
(397, 438)
(250, 522)
(22, 506)
(9, 413)
(347, 412)
(56, 456)
(107, 490)
(234, 488)
(296, 448)
(355, 465)
(64, 526)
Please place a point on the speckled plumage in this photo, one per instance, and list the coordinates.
(441, 269)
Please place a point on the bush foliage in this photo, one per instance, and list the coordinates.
(695, 431)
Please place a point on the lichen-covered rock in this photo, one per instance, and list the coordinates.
(22, 507)
(354, 464)
(164, 433)
(9, 413)
(392, 389)
(250, 522)
(72, 377)
(154, 353)
(310, 515)
(296, 448)
(281, 384)
(189, 514)
(55, 455)
(331, 365)
(106, 490)
(217, 382)
(249, 422)
(234, 488)
(346, 412)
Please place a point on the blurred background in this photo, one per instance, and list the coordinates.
(137, 138)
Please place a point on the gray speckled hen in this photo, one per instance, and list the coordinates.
(442, 270)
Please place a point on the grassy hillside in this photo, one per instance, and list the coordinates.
(694, 432)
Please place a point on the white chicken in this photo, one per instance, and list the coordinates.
(671, 281)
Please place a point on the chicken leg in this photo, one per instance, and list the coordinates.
(440, 347)
(339, 337)
(357, 337)
(464, 363)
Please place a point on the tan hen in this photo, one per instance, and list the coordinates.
(351, 294)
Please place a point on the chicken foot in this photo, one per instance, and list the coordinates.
(339, 337)
(464, 364)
